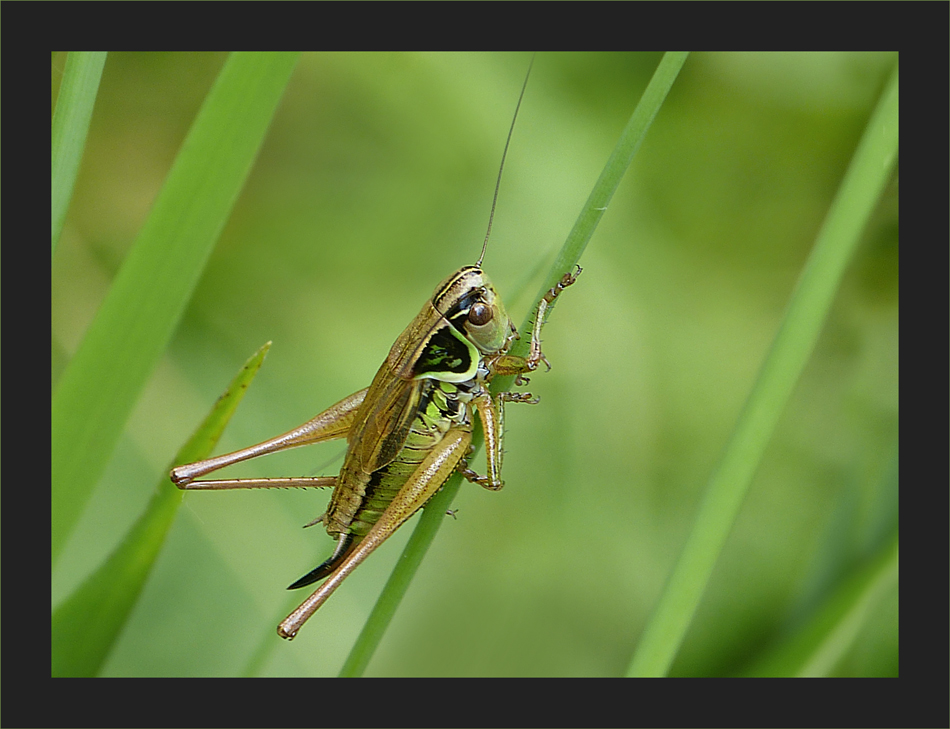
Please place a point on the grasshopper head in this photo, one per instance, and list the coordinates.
(469, 301)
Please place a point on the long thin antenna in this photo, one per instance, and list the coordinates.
(501, 169)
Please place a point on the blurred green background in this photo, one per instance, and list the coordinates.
(374, 183)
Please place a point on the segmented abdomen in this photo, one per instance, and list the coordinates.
(442, 406)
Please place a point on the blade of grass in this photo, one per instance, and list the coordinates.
(139, 314)
(87, 624)
(821, 633)
(77, 95)
(598, 201)
(816, 648)
(807, 310)
(833, 631)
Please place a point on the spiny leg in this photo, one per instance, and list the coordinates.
(535, 357)
(491, 410)
(301, 482)
(507, 364)
(334, 422)
(428, 478)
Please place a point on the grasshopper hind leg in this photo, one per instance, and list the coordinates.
(344, 546)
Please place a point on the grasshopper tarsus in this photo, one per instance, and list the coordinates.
(483, 481)
(566, 280)
(521, 397)
(536, 356)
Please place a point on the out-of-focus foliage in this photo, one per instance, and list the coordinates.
(374, 183)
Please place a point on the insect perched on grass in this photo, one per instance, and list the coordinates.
(412, 427)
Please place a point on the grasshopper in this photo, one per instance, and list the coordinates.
(411, 428)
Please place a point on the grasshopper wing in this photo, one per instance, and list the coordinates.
(383, 424)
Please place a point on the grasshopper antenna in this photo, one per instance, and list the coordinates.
(491, 215)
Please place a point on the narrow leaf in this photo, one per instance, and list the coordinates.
(87, 624)
(77, 96)
(806, 313)
(103, 380)
(817, 647)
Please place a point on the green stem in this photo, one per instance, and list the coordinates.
(806, 313)
(87, 624)
(123, 344)
(597, 203)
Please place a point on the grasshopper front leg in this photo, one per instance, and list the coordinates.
(334, 422)
(491, 410)
(508, 364)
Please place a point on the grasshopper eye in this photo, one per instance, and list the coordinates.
(480, 314)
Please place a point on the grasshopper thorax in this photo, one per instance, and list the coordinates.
(468, 300)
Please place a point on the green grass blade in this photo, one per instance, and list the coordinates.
(817, 647)
(597, 203)
(599, 199)
(819, 641)
(86, 625)
(102, 382)
(77, 96)
(807, 310)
